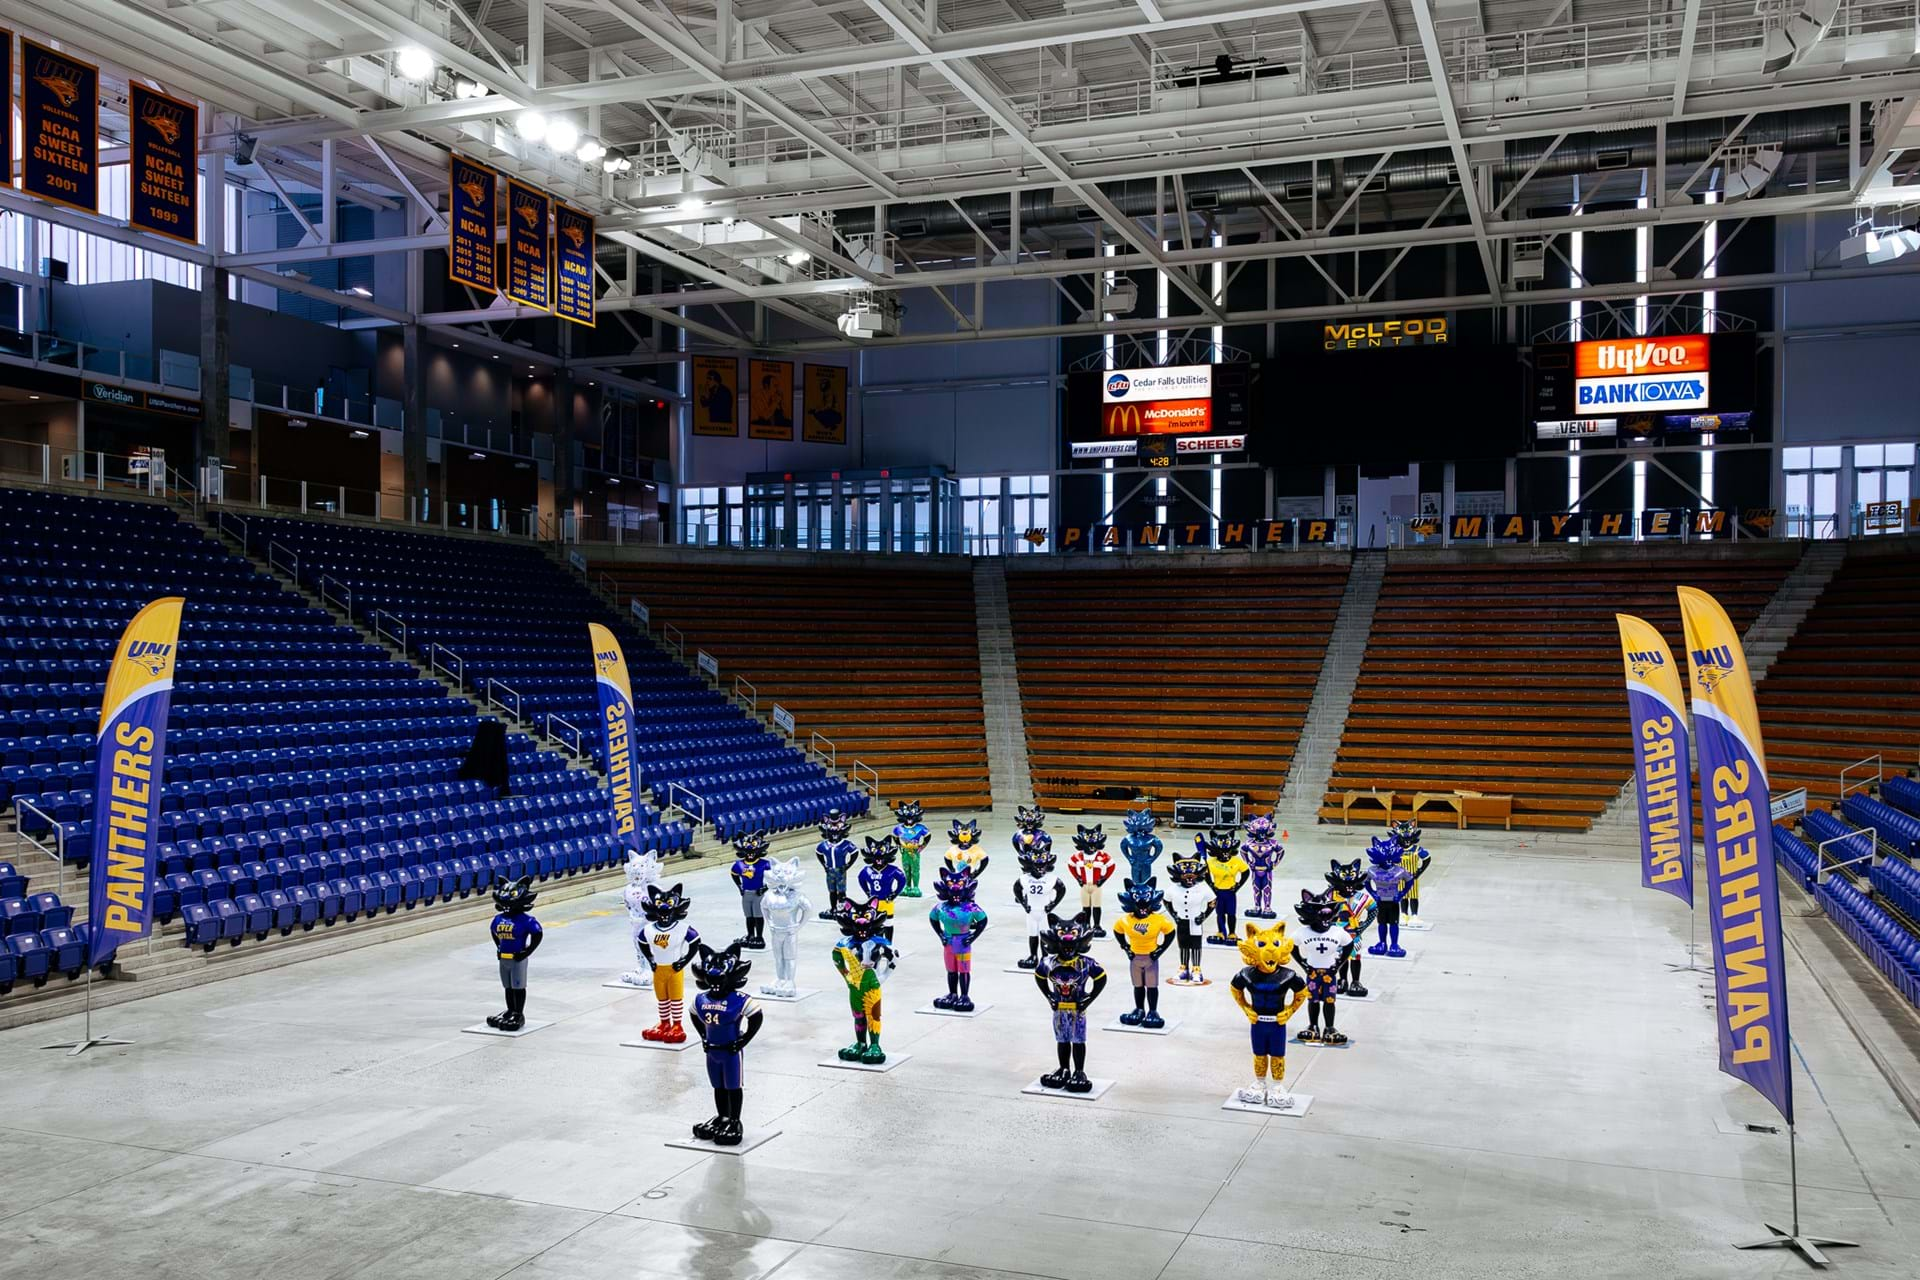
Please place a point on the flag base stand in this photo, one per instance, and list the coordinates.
(87, 1039)
(1807, 1247)
(1692, 950)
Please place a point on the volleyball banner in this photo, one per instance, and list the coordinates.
(1656, 706)
(133, 746)
(1743, 902)
(59, 127)
(616, 723)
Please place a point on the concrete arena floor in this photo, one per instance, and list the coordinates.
(1534, 1094)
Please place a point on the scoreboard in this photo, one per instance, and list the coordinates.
(1159, 417)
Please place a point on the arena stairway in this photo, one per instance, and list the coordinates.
(1502, 675)
(1147, 682)
(1847, 685)
(881, 662)
(504, 618)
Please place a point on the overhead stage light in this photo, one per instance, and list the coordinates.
(692, 204)
(414, 63)
(591, 149)
(531, 125)
(563, 135)
(799, 257)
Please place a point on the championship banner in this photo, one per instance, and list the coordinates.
(770, 399)
(616, 723)
(1743, 903)
(529, 246)
(716, 396)
(1655, 704)
(573, 292)
(164, 148)
(824, 411)
(472, 216)
(59, 127)
(6, 103)
(126, 782)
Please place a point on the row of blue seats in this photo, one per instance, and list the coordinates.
(50, 748)
(397, 680)
(346, 833)
(1903, 794)
(1899, 883)
(1851, 847)
(12, 883)
(731, 823)
(1893, 950)
(196, 820)
(34, 957)
(1896, 830)
(31, 915)
(107, 615)
(252, 715)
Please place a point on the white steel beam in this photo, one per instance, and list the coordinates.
(1450, 115)
(1683, 67)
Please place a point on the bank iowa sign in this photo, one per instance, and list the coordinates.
(1364, 335)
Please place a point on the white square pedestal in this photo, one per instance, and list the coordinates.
(1296, 1104)
(748, 1141)
(618, 985)
(1172, 1025)
(974, 1012)
(799, 994)
(1098, 1091)
(482, 1029)
(878, 1068)
(692, 1041)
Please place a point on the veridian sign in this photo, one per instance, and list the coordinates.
(1640, 373)
(1428, 331)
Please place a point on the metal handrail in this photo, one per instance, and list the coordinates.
(1871, 857)
(293, 556)
(220, 519)
(674, 639)
(399, 625)
(858, 767)
(59, 851)
(577, 745)
(345, 595)
(752, 695)
(675, 791)
(817, 745)
(459, 668)
(491, 683)
(1879, 773)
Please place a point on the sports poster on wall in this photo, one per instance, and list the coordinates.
(59, 127)
(824, 416)
(770, 399)
(716, 396)
(163, 147)
(529, 246)
(470, 226)
(573, 296)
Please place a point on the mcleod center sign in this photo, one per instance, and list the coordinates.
(1661, 374)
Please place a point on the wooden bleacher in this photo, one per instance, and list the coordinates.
(1848, 684)
(1167, 683)
(1504, 677)
(884, 663)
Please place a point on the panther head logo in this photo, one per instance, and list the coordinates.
(65, 88)
(576, 235)
(472, 190)
(164, 124)
(528, 214)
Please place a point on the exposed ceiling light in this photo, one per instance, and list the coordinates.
(692, 204)
(465, 88)
(563, 135)
(356, 435)
(456, 346)
(591, 149)
(798, 257)
(414, 63)
(531, 125)
(477, 456)
(360, 291)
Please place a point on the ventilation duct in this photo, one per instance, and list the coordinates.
(1754, 173)
(1790, 42)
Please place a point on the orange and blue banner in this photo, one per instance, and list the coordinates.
(163, 146)
(127, 779)
(1657, 706)
(1743, 901)
(616, 724)
(529, 246)
(59, 127)
(472, 220)
(573, 290)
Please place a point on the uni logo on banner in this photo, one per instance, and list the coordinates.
(152, 656)
(61, 79)
(164, 119)
(1711, 666)
(604, 661)
(1643, 664)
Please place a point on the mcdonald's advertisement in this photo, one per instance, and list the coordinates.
(529, 246)
(163, 145)
(1176, 400)
(59, 127)
(472, 217)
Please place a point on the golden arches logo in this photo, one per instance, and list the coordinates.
(1125, 420)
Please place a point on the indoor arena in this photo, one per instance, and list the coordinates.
(969, 640)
